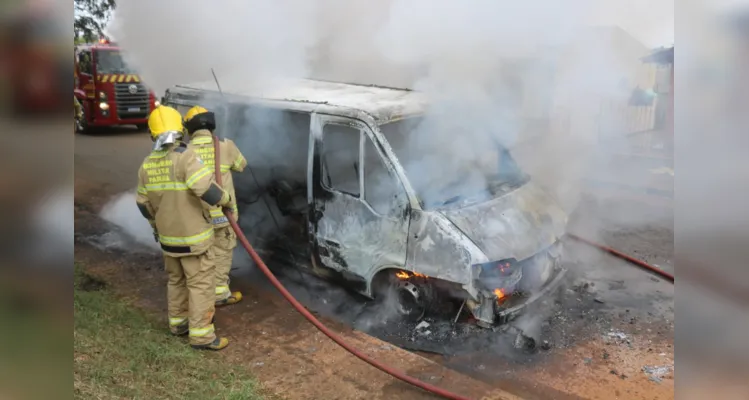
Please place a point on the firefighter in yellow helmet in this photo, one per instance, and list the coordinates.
(173, 186)
(200, 124)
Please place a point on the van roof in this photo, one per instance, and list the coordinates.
(384, 104)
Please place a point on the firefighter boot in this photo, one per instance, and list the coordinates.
(218, 344)
(233, 298)
(180, 330)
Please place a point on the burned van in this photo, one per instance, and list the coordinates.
(332, 187)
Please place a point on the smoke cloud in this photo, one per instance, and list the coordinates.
(123, 212)
(528, 75)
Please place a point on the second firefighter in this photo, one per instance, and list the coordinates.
(200, 124)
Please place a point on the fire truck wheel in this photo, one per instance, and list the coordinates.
(142, 127)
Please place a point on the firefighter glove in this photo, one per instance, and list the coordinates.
(230, 205)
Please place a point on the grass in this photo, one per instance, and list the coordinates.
(35, 355)
(120, 352)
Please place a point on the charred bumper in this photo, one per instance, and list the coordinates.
(508, 314)
(522, 286)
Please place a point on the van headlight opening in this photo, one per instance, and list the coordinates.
(104, 106)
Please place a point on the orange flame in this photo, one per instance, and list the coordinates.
(404, 275)
(500, 295)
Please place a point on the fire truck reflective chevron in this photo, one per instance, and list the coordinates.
(118, 78)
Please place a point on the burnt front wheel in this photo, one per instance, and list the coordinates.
(410, 301)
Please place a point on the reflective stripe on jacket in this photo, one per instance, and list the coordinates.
(174, 186)
(231, 160)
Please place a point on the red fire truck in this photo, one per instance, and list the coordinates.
(110, 92)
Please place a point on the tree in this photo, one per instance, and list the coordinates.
(91, 16)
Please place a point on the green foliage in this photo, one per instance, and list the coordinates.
(91, 16)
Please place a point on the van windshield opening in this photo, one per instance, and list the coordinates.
(111, 62)
(452, 170)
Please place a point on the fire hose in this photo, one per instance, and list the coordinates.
(337, 338)
(625, 257)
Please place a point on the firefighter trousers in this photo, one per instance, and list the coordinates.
(190, 295)
(223, 249)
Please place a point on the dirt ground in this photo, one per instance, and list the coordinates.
(614, 319)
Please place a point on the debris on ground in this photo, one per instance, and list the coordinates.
(422, 325)
(421, 329)
(582, 287)
(524, 342)
(656, 373)
(618, 335)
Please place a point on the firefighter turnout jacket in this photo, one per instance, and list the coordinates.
(231, 160)
(171, 184)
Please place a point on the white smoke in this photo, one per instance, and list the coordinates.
(175, 42)
(487, 65)
(123, 212)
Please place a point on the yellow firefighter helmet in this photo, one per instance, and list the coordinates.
(164, 119)
(198, 118)
(193, 112)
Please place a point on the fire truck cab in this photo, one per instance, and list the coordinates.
(110, 92)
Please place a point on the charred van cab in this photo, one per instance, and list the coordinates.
(331, 164)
